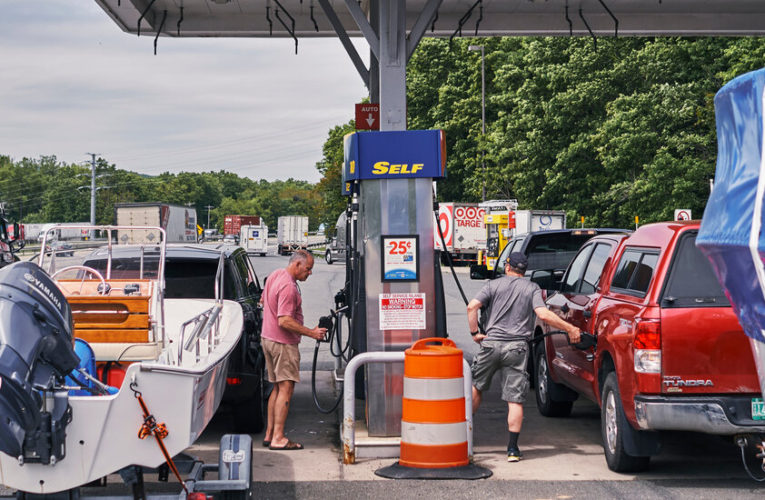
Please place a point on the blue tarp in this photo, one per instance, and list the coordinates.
(727, 224)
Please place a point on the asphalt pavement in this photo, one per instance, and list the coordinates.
(563, 458)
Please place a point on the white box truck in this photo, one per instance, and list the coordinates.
(527, 221)
(63, 231)
(292, 234)
(463, 230)
(254, 239)
(179, 222)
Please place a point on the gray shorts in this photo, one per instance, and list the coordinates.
(508, 357)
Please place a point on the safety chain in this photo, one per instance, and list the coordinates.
(159, 431)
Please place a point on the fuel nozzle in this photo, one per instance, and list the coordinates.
(326, 322)
(340, 299)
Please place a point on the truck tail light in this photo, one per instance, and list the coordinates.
(647, 345)
(647, 334)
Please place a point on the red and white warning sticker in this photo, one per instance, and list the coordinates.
(402, 311)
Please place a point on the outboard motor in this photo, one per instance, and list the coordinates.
(36, 353)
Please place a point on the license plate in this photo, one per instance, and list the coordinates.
(758, 409)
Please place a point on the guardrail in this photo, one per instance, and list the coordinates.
(318, 244)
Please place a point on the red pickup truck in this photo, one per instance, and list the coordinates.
(670, 353)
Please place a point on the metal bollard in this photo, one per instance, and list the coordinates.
(348, 431)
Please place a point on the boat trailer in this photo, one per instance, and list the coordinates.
(234, 477)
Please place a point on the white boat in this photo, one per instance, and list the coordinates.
(173, 351)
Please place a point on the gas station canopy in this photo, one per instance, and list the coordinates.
(323, 18)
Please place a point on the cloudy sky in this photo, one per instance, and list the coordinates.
(72, 83)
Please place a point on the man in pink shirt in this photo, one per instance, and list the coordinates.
(282, 329)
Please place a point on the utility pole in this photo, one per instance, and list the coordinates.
(208, 207)
(483, 117)
(92, 188)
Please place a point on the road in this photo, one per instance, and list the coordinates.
(563, 458)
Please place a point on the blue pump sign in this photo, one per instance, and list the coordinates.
(393, 155)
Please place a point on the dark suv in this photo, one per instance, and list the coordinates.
(548, 253)
(190, 273)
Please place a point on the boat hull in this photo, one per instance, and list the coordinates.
(103, 435)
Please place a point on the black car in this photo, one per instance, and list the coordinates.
(190, 273)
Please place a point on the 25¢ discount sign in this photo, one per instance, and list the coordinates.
(399, 255)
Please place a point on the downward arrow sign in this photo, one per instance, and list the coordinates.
(370, 119)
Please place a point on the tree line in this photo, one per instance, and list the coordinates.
(607, 132)
(47, 190)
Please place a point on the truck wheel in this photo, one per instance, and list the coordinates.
(615, 429)
(250, 414)
(328, 257)
(544, 388)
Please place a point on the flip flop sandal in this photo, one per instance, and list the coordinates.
(266, 444)
(287, 447)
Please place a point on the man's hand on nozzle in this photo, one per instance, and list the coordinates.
(318, 333)
(574, 334)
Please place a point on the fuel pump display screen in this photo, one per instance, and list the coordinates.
(400, 263)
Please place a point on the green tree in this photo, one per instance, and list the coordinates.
(331, 201)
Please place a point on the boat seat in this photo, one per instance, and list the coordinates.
(87, 363)
(118, 326)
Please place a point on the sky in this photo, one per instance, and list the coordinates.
(72, 83)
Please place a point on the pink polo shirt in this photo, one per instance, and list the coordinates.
(281, 297)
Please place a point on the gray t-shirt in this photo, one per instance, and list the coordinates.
(510, 302)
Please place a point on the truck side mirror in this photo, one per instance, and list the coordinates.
(478, 272)
(18, 241)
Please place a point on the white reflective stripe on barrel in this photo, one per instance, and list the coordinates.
(433, 434)
(433, 389)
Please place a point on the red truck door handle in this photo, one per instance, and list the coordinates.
(587, 314)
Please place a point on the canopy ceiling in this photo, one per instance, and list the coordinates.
(250, 18)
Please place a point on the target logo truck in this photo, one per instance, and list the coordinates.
(463, 229)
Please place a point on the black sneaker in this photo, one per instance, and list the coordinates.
(514, 455)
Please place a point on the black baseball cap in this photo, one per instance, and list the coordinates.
(518, 261)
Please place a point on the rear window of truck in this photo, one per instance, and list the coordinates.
(635, 271)
(195, 279)
(691, 281)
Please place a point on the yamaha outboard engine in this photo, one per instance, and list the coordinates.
(36, 353)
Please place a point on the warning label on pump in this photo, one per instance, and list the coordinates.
(402, 311)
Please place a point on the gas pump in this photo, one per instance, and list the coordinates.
(393, 294)
(500, 222)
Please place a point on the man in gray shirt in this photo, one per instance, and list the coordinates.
(510, 305)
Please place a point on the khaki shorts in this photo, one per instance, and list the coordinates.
(282, 361)
(510, 359)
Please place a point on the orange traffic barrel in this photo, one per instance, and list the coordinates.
(434, 430)
(433, 426)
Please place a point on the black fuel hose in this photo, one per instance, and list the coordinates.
(332, 334)
(448, 256)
